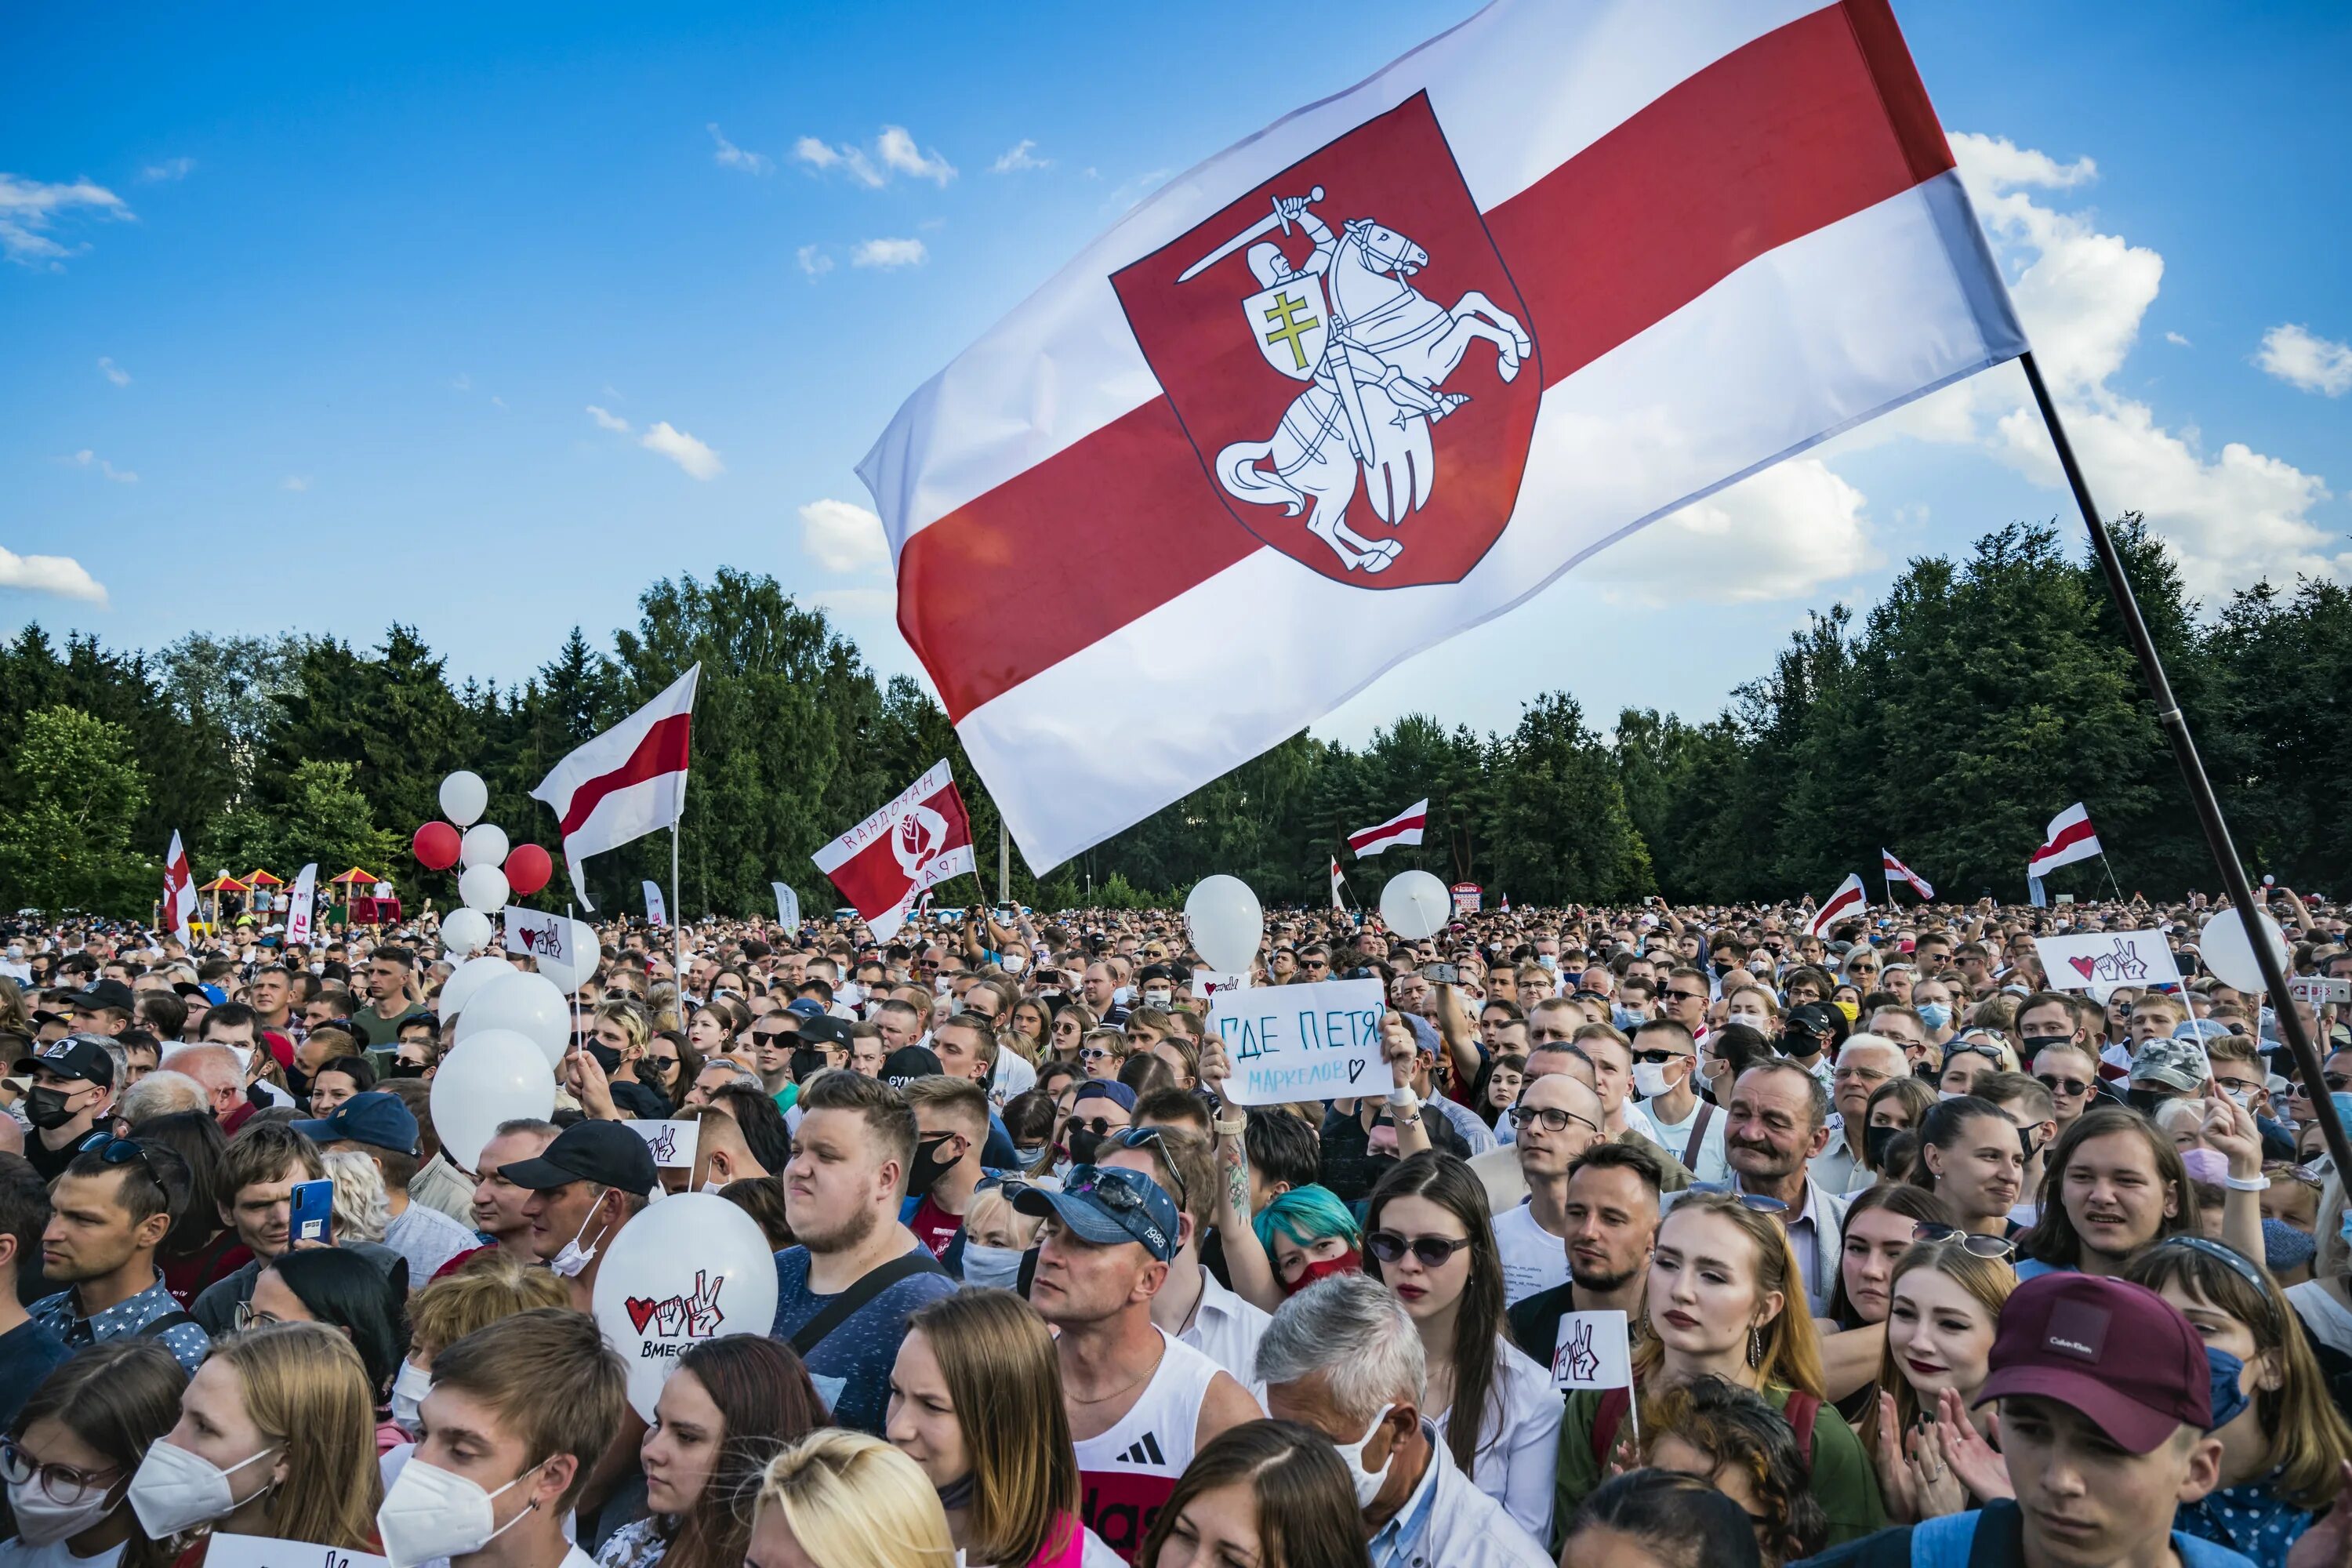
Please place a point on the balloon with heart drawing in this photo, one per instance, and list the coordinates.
(688, 1268)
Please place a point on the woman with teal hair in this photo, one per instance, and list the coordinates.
(1310, 1234)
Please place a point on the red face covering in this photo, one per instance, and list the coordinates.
(1348, 1262)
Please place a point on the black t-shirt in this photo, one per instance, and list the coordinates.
(50, 1162)
(1535, 1320)
(28, 1353)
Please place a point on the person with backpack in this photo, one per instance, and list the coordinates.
(1725, 1297)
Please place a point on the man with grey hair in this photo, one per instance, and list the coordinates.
(1343, 1357)
(164, 1092)
(1864, 1063)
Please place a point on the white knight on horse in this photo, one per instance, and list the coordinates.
(1376, 353)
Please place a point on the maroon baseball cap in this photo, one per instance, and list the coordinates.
(2118, 1352)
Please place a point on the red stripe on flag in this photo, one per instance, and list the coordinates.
(2073, 833)
(1802, 128)
(663, 751)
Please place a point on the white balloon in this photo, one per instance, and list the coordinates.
(2229, 953)
(483, 887)
(1416, 905)
(531, 1006)
(460, 990)
(1225, 922)
(485, 844)
(585, 957)
(467, 931)
(697, 1268)
(463, 796)
(491, 1077)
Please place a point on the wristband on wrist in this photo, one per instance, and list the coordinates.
(1229, 1126)
(2247, 1183)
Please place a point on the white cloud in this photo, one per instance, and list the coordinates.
(2301, 358)
(730, 156)
(815, 261)
(697, 459)
(851, 160)
(887, 253)
(114, 372)
(59, 575)
(169, 169)
(29, 210)
(842, 536)
(1017, 158)
(86, 458)
(1996, 161)
(297, 482)
(1778, 534)
(2177, 340)
(899, 151)
(608, 421)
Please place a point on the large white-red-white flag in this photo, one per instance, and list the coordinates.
(626, 782)
(2072, 838)
(179, 893)
(1405, 828)
(888, 862)
(1897, 872)
(1589, 260)
(1847, 902)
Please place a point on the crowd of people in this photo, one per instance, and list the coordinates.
(1923, 1258)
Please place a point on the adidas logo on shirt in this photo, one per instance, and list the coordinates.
(1145, 1451)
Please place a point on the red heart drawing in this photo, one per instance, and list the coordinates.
(2082, 966)
(641, 1310)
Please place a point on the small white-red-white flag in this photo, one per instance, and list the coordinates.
(1849, 900)
(2072, 838)
(1901, 873)
(896, 856)
(1336, 880)
(1405, 828)
(626, 782)
(178, 892)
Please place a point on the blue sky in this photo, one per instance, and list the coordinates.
(482, 318)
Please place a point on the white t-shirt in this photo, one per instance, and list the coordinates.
(1014, 1075)
(1533, 1257)
(56, 1554)
(1674, 1136)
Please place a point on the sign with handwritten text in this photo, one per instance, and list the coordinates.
(268, 1551)
(1593, 1351)
(1207, 984)
(1290, 1043)
(546, 937)
(2107, 959)
(671, 1143)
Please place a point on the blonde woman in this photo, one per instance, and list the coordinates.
(995, 1235)
(284, 1417)
(491, 1285)
(363, 1208)
(845, 1500)
(1103, 1053)
(1943, 1312)
(976, 1401)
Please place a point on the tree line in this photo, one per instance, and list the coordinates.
(1949, 723)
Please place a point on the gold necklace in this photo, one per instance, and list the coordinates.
(1138, 1383)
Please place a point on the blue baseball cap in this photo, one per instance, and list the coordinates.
(375, 1117)
(806, 1007)
(1106, 1206)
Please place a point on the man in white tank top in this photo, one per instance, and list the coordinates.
(1140, 1401)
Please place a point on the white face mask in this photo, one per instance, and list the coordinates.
(176, 1490)
(1650, 1079)
(994, 1268)
(431, 1512)
(1368, 1482)
(1160, 999)
(409, 1384)
(42, 1521)
(573, 1260)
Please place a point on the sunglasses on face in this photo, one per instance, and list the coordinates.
(1429, 1251)
(1660, 1058)
(1099, 1126)
(2069, 1087)
(1095, 1054)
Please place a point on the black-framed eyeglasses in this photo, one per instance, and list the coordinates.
(1429, 1251)
(1551, 1117)
(2206, 1247)
(59, 1483)
(1152, 1138)
(1763, 1202)
(1100, 1126)
(246, 1317)
(1934, 1232)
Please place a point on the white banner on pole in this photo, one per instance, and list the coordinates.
(1289, 1043)
(655, 914)
(788, 906)
(302, 906)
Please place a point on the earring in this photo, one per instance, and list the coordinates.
(1755, 1346)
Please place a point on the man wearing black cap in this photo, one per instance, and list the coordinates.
(104, 1009)
(588, 1184)
(381, 1126)
(73, 1089)
(2105, 1399)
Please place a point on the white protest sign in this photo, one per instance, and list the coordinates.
(2105, 959)
(655, 913)
(266, 1552)
(671, 1143)
(2318, 991)
(546, 937)
(1291, 1043)
(1208, 984)
(1593, 1351)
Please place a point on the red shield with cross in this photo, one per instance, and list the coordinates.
(1349, 357)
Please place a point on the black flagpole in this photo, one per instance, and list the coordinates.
(2192, 772)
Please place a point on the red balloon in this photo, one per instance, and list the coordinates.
(527, 869)
(437, 846)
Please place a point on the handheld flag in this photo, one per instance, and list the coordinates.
(1405, 828)
(1897, 872)
(2072, 838)
(626, 782)
(1336, 880)
(885, 863)
(1848, 900)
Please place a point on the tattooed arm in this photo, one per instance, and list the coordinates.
(1251, 1270)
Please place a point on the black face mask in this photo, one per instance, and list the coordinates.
(928, 1166)
(1799, 1044)
(605, 1056)
(46, 1109)
(2036, 1044)
(1085, 1144)
(806, 1064)
(2146, 1100)
(1874, 1140)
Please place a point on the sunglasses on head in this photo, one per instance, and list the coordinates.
(1429, 1251)
(1152, 1138)
(1934, 1232)
(1761, 1203)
